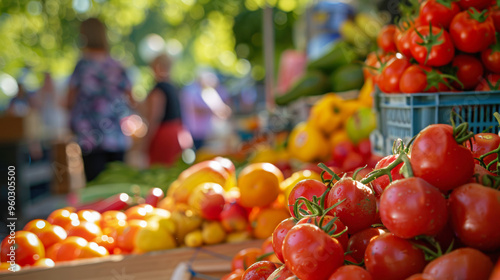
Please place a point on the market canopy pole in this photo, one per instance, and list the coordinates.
(268, 30)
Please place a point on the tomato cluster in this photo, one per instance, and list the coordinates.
(427, 212)
(445, 45)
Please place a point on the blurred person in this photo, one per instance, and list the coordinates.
(166, 138)
(202, 101)
(99, 97)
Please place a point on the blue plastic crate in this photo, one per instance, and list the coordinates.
(404, 115)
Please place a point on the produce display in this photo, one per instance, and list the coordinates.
(439, 46)
(426, 212)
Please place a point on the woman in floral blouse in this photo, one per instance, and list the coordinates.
(98, 99)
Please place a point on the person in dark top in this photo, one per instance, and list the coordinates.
(166, 137)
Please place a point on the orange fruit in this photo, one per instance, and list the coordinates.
(126, 240)
(28, 248)
(45, 262)
(62, 218)
(89, 216)
(88, 230)
(48, 234)
(69, 249)
(267, 220)
(93, 250)
(4, 267)
(138, 212)
(245, 258)
(259, 184)
(106, 241)
(51, 252)
(111, 217)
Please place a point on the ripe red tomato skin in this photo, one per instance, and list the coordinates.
(469, 71)
(349, 272)
(385, 38)
(259, 270)
(389, 257)
(469, 35)
(359, 241)
(410, 207)
(478, 4)
(495, 14)
(388, 80)
(491, 60)
(342, 239)
(420, 276)
(306, 188)
(483, 143)
(310, 253)
(381, 183)
(402, 39)
(359, 210)
(463, 263)
(484, 86)
(279, 235)
(438, 159)
(415, 80)
(431, 11)
(472, 208)
(281, 273)
(439, 55)
(480, 171)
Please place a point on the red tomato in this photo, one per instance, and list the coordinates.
(411, 207)
(352, 162)
(359, 241)
(279, 235)
(469, 71)
(245, 258)
(478, 4)
(385, 38)
(472, 31)
(382, 182)
(350, 272)
(338, 224)
(310, 253)
(22, 248)
(473, 207)
(359, 210)
(281, 273)
(420, 276)
(388, 80)
(438, 12)
(437, 158)
(483, 143)
(479, 172)
(364, 148)
(402, 39)
(495, 15)
(259, 270)
(491, 58)
(492, 82)
(463, 263)
(341, 151)
(307, 189)
(389, 257)
(234, 275)
(417, 78)
(441, 51)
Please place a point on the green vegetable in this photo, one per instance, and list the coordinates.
(340, 54)
(347, 77)
(312, 83)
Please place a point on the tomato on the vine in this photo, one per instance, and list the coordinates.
(356, 246)
(483, 143)
(388, 80)
(385, 38)
(402, 38)
(279, 235)
(389, 257)
(359, 209)
(490, 82)
(439, 159)
(340, 227)
(472, 31)
(310, 253)
(478, 4)
(307, 189)
(473, 207)
(259, 270)
(382, 182)
(438, 12)
(349, 272)
(431, 46)
(418, 78)
(463, 263)
(411, 207)
(469, 71)
(491, 58)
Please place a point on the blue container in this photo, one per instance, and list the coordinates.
(405, 115)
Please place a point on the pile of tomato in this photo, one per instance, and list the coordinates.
(439, 45)
(429, 211)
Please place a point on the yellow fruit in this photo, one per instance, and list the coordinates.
(167, 203)
(185, 222)
(338, 137)
(213, 233)
(308, 144)
(238, 236)
(290, 182)
(259, 184)
(153, 238)
(194, 239)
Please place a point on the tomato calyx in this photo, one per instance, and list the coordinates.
(435, 78)
(488, 180)
(430, 40)
(461, 133)
(429, 253)
(263, 256)
(328, 182)
(405, 169)
(446, 3)
(476, 15)
(316, 208)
